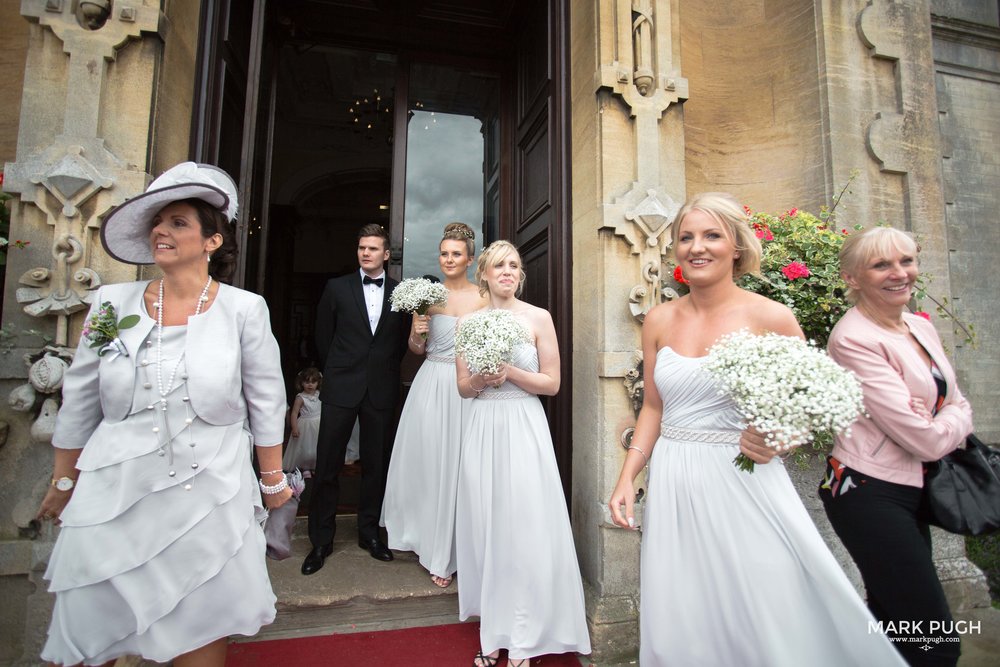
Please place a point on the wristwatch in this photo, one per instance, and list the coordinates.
(64, 483)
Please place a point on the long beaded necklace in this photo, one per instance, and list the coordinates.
(164, 390)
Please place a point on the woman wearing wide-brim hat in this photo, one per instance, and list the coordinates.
(161, 551)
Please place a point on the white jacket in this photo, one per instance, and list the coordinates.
(232, 359)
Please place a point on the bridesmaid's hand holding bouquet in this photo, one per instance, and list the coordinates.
(788, 389)
(486, 340)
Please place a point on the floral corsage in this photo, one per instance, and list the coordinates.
(101, 330)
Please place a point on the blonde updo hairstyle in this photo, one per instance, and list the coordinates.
(495, 253)
(459, 231)
(724, 209)
(861, 248)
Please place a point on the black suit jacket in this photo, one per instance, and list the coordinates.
(354, 359)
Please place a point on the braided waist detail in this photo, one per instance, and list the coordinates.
(441, 358)
(498, 395)
(700, 435)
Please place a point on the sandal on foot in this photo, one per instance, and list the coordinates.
(485, 660)
(512, 663)
(441, 582)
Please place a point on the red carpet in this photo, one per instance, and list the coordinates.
(439, 645)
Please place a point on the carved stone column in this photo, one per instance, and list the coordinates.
(628, 183)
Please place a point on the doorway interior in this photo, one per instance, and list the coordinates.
(407, 113)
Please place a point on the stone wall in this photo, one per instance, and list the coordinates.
(754, 124)
(13, 51)
(967, 64)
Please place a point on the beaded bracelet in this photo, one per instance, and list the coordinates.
(276, 488)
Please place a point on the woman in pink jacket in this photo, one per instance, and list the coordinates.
(872, 489)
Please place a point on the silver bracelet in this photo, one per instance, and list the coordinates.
(277, 488)
(645, 459)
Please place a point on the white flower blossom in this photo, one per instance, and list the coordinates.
(417, 295)
(788, 388)
(486, 339)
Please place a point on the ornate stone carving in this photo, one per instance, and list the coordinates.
(74, 292)
(646, 225)
(22, 398)
(46, 374)
(642, 72)
(634, 383)
(885, 27)
(642, 67)
(72, 180)
(45, 424)
(76, 168)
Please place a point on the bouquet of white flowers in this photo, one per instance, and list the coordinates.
(787, 388)
(486, 339)
(417, 295)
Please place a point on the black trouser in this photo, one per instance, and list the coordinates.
(375, 445)
(879, 524)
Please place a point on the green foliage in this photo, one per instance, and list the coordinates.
(984, 551)
(800, 268)
(964, 330)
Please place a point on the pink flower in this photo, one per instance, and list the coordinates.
(795, 270)
(763, 232)
(923, 314)
(794, 212)
(679, 276)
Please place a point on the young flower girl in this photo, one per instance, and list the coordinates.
(301, 450)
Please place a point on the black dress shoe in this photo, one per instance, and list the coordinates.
(375, 547)
(314, 561)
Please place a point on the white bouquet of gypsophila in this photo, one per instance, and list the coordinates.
(417, 295)
(787, 388)
(486, 339)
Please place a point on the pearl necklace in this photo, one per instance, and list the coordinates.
(164, 390)
(159, 340)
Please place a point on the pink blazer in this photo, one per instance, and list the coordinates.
(892, 442)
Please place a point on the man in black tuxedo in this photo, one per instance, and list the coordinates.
(361, 343)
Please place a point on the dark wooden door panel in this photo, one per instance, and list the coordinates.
(540, 226)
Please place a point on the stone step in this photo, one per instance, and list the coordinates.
(353, 592)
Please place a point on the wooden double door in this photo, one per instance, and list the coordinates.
(410, 113)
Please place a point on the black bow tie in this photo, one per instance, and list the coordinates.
(369, 280)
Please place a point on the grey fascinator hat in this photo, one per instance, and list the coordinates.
(125, 232)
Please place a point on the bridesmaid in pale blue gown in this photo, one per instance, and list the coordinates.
(516, 555)
(419, 507)
(733, 571)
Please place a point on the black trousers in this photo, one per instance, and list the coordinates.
(335, 426)
(879, 524)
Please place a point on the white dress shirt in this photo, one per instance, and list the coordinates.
(373, 299)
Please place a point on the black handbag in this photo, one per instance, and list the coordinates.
(962, 490)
